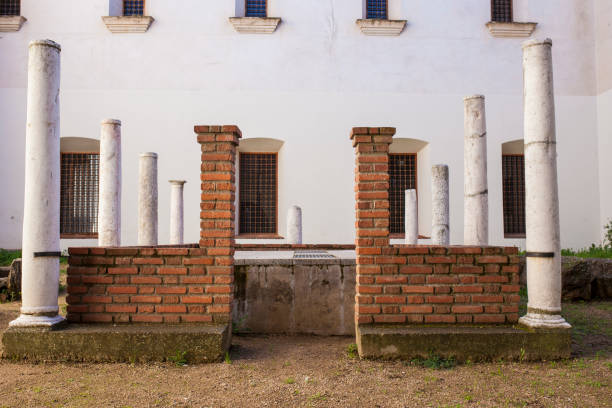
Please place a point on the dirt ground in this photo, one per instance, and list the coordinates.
(309, 371)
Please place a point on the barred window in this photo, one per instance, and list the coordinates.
(258, 193)
(513, 175)
(376, 9)
(501, 11)
(402, 177)
(79, 194)
(255, 8)
(133, 7)
(10, 7)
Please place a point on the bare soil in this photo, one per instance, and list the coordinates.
(309, 371)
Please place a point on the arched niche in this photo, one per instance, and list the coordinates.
(513, 147)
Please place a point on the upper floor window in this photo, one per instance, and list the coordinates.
(513, 175)
(255, 8)
(79, 195)
(10, 7)
(501, 11)
(376, 9)
(133, 7)
(402, 177)
(258, 195)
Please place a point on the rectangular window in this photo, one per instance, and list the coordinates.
(513, 175)
(501, 11)
(79, 195)
(402, 177)
(255, 8)
(376, 9)
(10, 7)
(258, 193)
(133, 7)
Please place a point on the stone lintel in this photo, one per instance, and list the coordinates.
(255, 25)
(379, 26)
(11, 23)
(128, 24)
(512, 29)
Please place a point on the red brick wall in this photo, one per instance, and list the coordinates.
(420, 284)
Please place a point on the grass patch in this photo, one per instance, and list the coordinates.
(6, 257)
(584, 322)
(351, 350)
(435, 362)
(179, 358)
(594, 251)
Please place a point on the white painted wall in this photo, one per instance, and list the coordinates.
(307, 84)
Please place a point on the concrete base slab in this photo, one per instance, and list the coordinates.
(120, 343)
(463, 343)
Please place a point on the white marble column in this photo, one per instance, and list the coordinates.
(176, 211)
(147, 200)
(41, 212)
(476, 194)
(541, 191)
(411, 218)
(440, 231)
(294, 225)
(109, 210)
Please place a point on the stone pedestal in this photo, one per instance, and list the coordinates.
(41, 213)
(147, 200)
(294, 225)
(541, 191)
(476, 195)
(411, 218)
(176, 211)
(440, 232)
(109, 211)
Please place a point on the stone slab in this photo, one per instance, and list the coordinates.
(119, 343)
(463, 343)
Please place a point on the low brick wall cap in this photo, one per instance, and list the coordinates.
(217, 129)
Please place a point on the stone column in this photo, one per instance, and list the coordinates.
(147, 200)
(411, 218)
(541, 192)
(476, 195)
(109, 211)
(41, 212)
(176, 211)
(294, 225)
(440, 232)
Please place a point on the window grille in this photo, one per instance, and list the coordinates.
(10, 7)
(513, 174)
(133, 7)
(501, 11)
(255, 8)
(376, 9)
(258, 193)
(402, 177)
(79, 194)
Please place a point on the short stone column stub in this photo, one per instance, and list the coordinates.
(476, 194)
(440, 230)
(411, 218)
(543, 255)
(294, 225)
(176, 212)
(41, 229)
(147, 200)
(109, 209)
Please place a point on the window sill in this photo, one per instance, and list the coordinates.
(78, 236)
(128, 24)
(10, 24)
(377, 26)
(402, 236)
(515, 236)
(513, 29)
(255, 25)
(258, 236)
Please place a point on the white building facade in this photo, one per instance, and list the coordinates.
(297, 90)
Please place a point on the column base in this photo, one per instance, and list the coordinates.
(25, 320)
(544, 321)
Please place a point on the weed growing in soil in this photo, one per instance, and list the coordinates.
(179, 359)
(351, 350)
(434, 361)
(289, 380)
(228, 360)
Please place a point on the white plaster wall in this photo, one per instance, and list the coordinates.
(307, 84)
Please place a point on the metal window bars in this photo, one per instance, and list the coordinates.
(255, 8)
(133, 7)
(79, 193)
(376, 9)
(513, 175)
(10, 7)
(402, 177)
(258, 193)
(501, 11)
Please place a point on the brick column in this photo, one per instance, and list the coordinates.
(372, 219)
(217, 228)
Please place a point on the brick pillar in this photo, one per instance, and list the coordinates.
(217, 228)
(372, 218)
